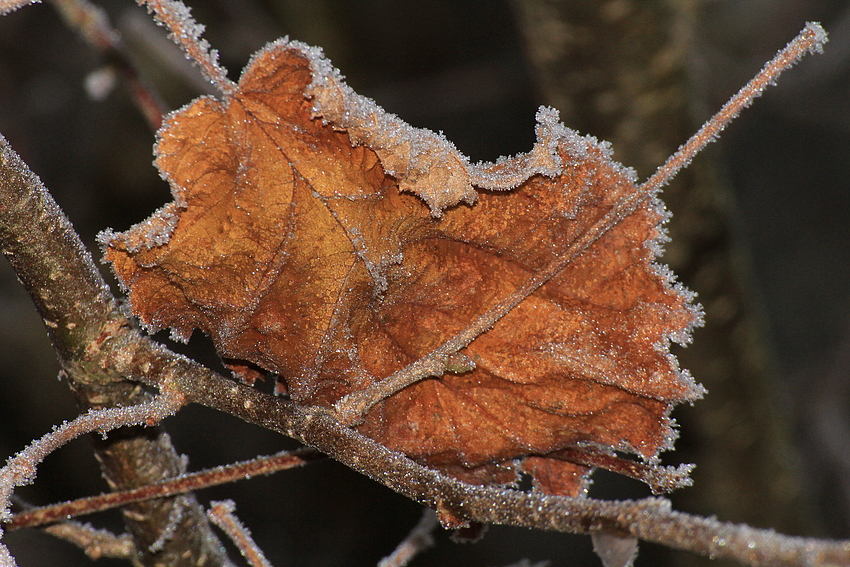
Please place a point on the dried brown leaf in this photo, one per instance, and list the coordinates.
(298, 240)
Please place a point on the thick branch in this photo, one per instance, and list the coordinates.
(50, 260)
(79, 311)
(651, 519)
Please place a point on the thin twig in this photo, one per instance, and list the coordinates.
(180, 485)
(20, 469)
(94, 542)
(351, 408)
(186, 32)
(810, 40)
(223, 515)
(418, 540)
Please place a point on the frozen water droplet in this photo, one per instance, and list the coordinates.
(614, 550)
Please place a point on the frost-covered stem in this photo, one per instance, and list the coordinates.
(50, 260)
(94, 542)
(80, 314)
(172, 487)
(418, 540)
(810, 40)
(223, 515)
(186, 32)
(20, 469)
(92, 24)
(650, 519)
(352, 407)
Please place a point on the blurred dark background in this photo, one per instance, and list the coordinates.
(761, 230)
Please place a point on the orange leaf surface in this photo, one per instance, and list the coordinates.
(322, 239)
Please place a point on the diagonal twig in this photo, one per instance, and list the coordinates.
(186, 32)
(185, 483)
(418, 540)
(223, 514)
(352, 407)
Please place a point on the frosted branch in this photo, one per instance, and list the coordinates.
(186, 32)
(94, 542)
(180, 485)
(418, 540)
(20, 469)
(651, 519)
(810, 40)
(223, 515)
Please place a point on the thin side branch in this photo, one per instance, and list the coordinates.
(185, 483)
(94, 542)
(186, 32)
(20, 469)
(223, 515)
(418, 540)
(810, 40)
(352, 407)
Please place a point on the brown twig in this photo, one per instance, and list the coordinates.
(20, 469)
(352, 407)
(93, 25)
(94, 542)
(223, 515)
(651, 519)
(418, 540)
(186, 483)
(810, 40)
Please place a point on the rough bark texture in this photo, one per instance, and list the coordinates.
(78, 310)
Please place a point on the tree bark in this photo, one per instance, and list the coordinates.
(78, 311)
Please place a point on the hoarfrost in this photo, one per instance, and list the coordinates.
(151, 233)
(7, 6)
(425, 163)
(20, 469)
(175, 516)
